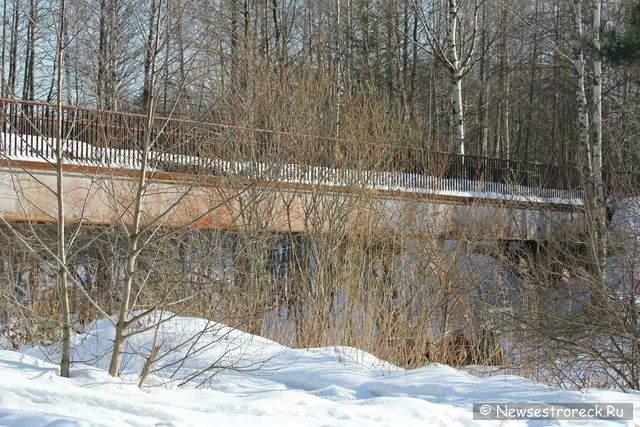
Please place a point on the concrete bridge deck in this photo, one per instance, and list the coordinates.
(439, 196)
(106, 196)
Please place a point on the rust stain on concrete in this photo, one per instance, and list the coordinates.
(98, 196)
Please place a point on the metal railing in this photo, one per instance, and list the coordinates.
(110, 138)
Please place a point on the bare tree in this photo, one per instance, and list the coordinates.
(134, 233)
(65, 312)
(456, 54)
(591, 148)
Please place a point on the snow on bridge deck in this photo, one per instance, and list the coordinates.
(210, 192)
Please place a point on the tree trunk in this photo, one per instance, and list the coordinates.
(3, 56)
(596, 153)
(62, 279)
(483, 96)
(339, 71)
(458, 118)
(533, 81)
(150, 56)
(581, 97)
(13, 50)
(504, 150)
(456, 77)
(134, 233)
(28, 83)
(592, 150)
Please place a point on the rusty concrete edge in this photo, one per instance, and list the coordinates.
(25, 165)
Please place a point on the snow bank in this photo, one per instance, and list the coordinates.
(321, 386)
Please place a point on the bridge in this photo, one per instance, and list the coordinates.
(205, 174)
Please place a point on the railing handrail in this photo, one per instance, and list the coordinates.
(164, 118)
(403, 157)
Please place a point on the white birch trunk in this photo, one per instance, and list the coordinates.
(596, 153)
(458, 115)
(456, 77)
(581, 97)
(457, 57)
(596, 159)
(595, 208)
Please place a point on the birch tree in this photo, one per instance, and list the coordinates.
(455, 52)
(579, 69)
(592, 148)
(596, 150)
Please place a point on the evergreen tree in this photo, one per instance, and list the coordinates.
(622, 47)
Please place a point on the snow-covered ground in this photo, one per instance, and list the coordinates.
(266, 383)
